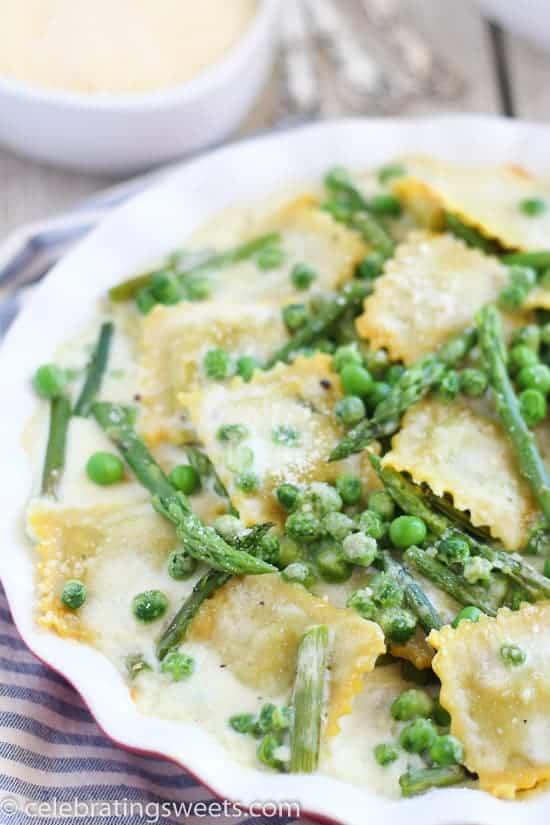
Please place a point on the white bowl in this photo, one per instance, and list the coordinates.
(121, 133)
(140, 232)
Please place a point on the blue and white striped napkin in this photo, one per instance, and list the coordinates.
(56, 766)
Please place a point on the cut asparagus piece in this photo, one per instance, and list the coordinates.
(415, 597)
(352, 209)
(200, 541)
(54, 461)
(130, 288)
(422, 779)
(469, 235)
(175, 632)
(350, 297)
(412, 386)
(95, 371)
(536, 260)
(531, 465)
(452, 583)
(308, 700)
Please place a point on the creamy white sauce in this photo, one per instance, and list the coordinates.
(126, 46)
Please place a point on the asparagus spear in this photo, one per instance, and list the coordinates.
(60, 414)
(130, 288)
(531, 465)
(450, 582)
(95, 371)
(535, 260)
(422, 779)
(469, 235)
(413, 385)
(200, 541)
(415, 597)
(175, 632)
(350, 297)
(309, 688)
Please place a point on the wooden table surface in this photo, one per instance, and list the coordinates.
(503, 74)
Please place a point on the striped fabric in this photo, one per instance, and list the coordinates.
(51, 750)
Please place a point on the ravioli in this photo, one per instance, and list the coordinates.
(308, 235)
(430, 290)
(456, 449)
(174, 342)
(485, 197)
(290, 431)
(499, 712)
(256, 623)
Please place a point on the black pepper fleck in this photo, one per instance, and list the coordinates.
(326, 385)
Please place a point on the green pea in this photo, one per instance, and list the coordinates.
(104, 468)
(302, 276)
(441, 716)
(344, 356)
(295, 316)
(523, 276)
(248, 482)
(243, 723)
(418, 736)
(449, 386)
(453, 550)
(360, 549)
(394, 373)
(350, 488)
(266, 752)
(467, 614)
(323, 498)
(246, 366)
(337, 525)
(332, 566)
(361, 601)
(385, 205)
(370, 523)
(371, 266)
(385, 754)
(533, 406)
(239, 458)
(181, 565)
(272, 257)
(391, 171)
(285, 435)
(512, 297)
(398, 624)
(446, 750)
(149, 605)
(273, 719)
(512, 655)
(229, 527)
(165, 287)
(382, 503)
(535, 378)
(523, 356)
(197, 288)
(217, 364)
(288, 496)
(378, 392)
(232, 433)
(185, 479)
(529, 335)
(73, 594)
(546, 569)
(350, 410)
(406, 531)
(145, 301)
(298, 572)
(473, 383)
(355, 380)
(477, 570)
(376, 362)
(385, 591)
(178, 665)
(533, 207)
(289, 552)
(49, 381)
(270, 548)
(303, 527)
(412, 704)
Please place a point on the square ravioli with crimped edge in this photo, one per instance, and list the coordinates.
(499, 711)
(459, 450)
(308, 235)
(256, 623)
(431, 289)
(174, 341)
(487, 198)
(287, 431)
